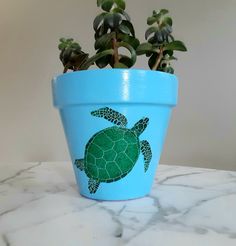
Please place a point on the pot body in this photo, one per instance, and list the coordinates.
(133, 93)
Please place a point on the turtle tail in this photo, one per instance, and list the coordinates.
(140, 126)
(93, 185)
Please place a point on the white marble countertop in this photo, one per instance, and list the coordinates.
(40, 206)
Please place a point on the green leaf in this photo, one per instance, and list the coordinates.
(123, 28)
(120, 4)
(126, 60)
(75, 46)
(96, 57)
(168, 52)
(166, 32)
(164, 11)
(101, 30)
(152, 40)
(122, 12)
(167, 21)
(134, 42)
(107, 5)
(97, 21)
(104, 40)
(151, 20)
(62, 40)
(113, 20)
(131, 50)
(104, 61)
(129, 25)
(159, 37)
(176, 45)
(65, 56)
(144, 48)
(78, 60)
(120, 65)
(151, 30)
(61, 46)
(158, 16)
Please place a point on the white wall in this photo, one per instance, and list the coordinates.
(203, 127)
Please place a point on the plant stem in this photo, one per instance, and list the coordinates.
(158, 61)
(115, 48)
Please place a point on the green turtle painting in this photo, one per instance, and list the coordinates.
(111, 153)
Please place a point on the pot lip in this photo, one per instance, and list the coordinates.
(122, 85)
(115, 70)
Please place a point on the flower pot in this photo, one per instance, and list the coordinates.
(115, 122)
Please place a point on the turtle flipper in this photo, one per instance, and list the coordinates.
(93, 185)
(111, 115)
(140, 126)
(80, 164)
(147, 153)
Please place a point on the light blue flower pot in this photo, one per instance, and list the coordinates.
(111, 160)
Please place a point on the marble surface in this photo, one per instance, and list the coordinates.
(40, 206)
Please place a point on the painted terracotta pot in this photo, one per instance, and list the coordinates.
(115, 122)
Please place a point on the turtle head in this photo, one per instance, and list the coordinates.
(140, 126)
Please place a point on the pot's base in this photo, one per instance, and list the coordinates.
(114, 199)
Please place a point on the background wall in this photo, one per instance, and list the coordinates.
(203, 128)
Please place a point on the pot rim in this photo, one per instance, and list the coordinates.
(114, 86)
(127, 70)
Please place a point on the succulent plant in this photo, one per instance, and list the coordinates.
(71, 56)
(160, 45)
(114, 30)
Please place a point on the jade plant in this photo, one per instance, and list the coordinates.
(115, 34)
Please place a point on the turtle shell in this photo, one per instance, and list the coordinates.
(111, 154)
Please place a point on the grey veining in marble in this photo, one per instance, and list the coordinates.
(40, 206)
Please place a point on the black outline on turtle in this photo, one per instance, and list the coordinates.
(108, 161)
